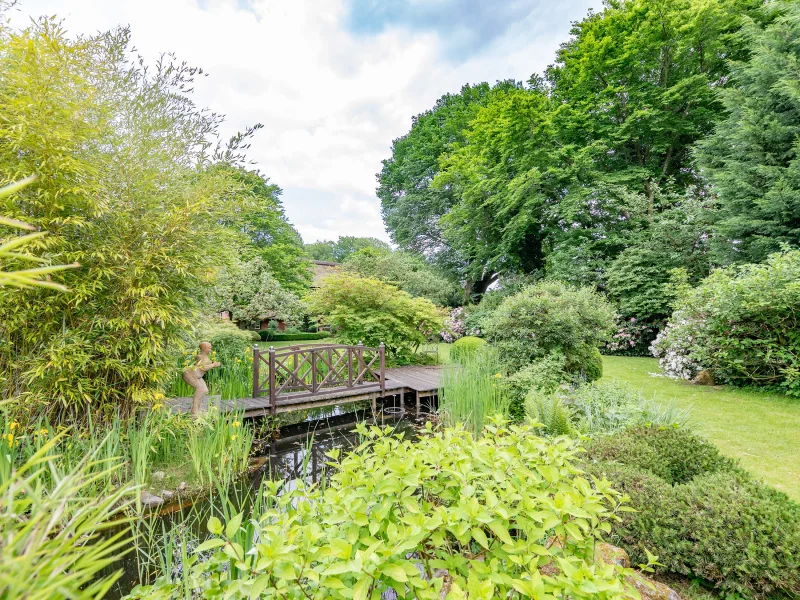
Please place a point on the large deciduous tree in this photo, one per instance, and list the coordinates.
(753, 157)
(412, 208)
(408, 271)
(344, 247)
(268, 233)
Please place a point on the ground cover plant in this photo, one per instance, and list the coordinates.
(395, 512)
(703, 515)
(760, 429)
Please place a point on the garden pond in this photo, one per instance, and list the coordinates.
(297, 453)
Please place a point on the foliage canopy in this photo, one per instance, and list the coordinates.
(360, 309)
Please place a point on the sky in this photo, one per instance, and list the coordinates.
(332, 81)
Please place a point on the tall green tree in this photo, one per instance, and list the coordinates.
(412, 208)
(249, 291)
(268, 233)
(636, 85)
(409, 272)
(753, 157)
(344, 247)
(503, 175)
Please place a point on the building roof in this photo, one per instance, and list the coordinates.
(323, 268)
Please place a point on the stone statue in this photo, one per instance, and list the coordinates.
(194, 375)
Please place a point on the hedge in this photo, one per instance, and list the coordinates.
(269, 336)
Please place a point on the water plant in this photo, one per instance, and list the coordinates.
(53, 521)
(471, 389)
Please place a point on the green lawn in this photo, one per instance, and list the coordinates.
(762, 430)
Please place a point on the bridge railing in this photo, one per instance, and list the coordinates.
(308, 371)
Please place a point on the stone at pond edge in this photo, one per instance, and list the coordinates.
(182, 486)
(608, 554)
(150, 500)
(166, 494)
(704, 377)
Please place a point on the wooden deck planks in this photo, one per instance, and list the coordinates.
(420, 380)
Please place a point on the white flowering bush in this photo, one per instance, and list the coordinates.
(674, 345)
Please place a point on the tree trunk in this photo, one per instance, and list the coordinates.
(474, 290)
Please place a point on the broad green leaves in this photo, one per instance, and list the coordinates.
(480, 518)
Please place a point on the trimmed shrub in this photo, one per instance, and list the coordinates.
(227, 341)
(740, 535)
(466, 347)
(715, 523)
(551, 317)
(671, 453)
(268, 335)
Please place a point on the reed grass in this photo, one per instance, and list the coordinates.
(471, 390)
(217, 444)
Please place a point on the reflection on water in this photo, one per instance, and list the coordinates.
(299, 454)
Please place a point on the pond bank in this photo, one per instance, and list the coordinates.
(299, 453)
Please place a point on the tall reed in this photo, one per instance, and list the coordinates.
(471, 390)
(220, 446)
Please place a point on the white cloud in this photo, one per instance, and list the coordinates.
(331, 102)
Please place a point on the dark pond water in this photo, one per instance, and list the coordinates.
(298, 453)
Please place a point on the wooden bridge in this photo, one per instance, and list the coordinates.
(311, 375)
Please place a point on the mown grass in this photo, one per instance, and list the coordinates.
(761, 429)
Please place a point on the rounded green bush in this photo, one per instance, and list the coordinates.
(586, 363)
(465, 347)
(740, 535)
(551, 317)
(674, 454)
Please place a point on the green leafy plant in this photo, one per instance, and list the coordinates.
(550, 413)
(550, 317)
(360, 309)
(504, 514)
(703, 516)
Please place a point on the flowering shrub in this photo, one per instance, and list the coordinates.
(743, 323)
(454, 326)
(632, 338)
(673, 348)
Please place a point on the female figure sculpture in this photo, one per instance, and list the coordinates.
(194, 375)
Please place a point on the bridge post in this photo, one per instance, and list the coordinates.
(256, 360)
(382, 351)
(360, 352)
(272, 395)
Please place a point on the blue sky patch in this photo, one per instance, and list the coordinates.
(464, 26)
